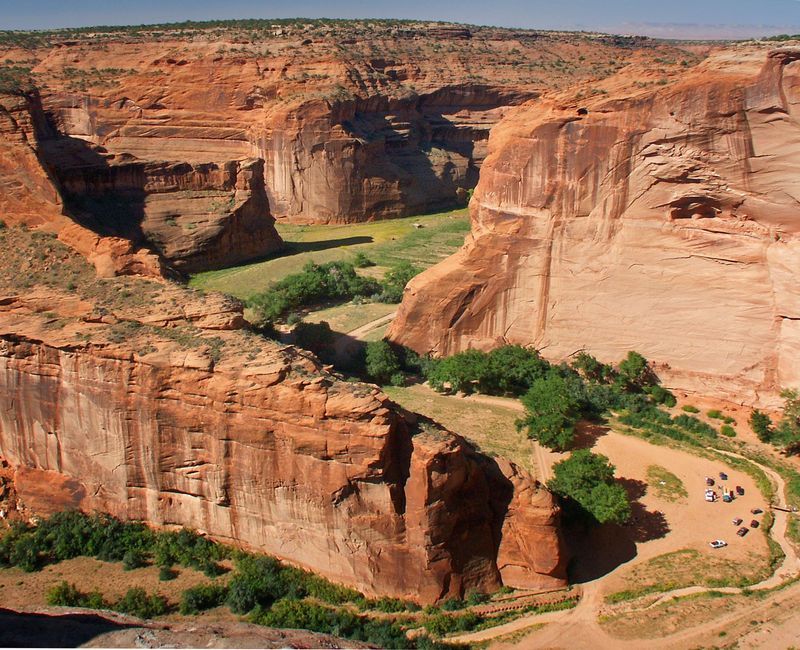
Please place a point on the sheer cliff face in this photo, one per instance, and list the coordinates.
(352, 122)
(255, 444)
(664, 222)
(125, 215)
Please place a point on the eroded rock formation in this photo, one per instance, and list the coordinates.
(353, 121)
(664, 221)
(162, 420)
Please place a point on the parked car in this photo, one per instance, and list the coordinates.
(737, 521)
(740, 490)
(723, 476)
(709, 481)
(754, 524)
(718, 543)
(742, 531)
(756, 511)
(711, 496)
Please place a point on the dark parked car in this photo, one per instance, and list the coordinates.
(723, 476)
(740, 490)
(737, 521)
(742, 531)
(756, 511)
(754, 524)
(709, 481)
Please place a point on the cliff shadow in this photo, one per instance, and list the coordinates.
(107, 199)
(599, 550)
(295, 247)
(35, 630)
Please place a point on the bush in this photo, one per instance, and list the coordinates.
(166, 573)
(661, 395)
(382, 363)
(133, 559)
(361, 261)
(727, 430)
(690, 409)
(587, 479)
(136, 602)
(591, 369)
(761, 424)
(714, 414)
(202, 597)
(508, 370)
(395, 281)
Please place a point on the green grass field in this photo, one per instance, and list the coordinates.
(384, 242)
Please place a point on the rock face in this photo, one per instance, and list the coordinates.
(359, 159)
(125, 215)
(197, 217)
(664, 222)
(353, 122)
(260, 448)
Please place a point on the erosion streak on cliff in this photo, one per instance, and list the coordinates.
(664, 222)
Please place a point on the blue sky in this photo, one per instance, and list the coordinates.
(662, 17)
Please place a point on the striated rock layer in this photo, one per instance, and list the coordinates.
(125, 215)
(665, 222)
(259, 447)
(353, 121)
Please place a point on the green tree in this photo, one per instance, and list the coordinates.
(395, 281)
(552, 409)
(592, 369)
(634, 372)
(382, 362)
(761, 424)
(587, 479)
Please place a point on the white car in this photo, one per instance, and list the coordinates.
(717, 543)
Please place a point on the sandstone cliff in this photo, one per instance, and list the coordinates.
(661, 220)
(354, 121)
(125, 214)
(144, 400)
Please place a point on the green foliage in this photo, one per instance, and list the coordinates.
(133, 559)
(552, 409)
(761, 424)
(661, 395)
(361, 261)
(137, 602)
(202, 597)
(690, 409)
(634, 373)
(299, 614)
(395, 281)
(316, 337)
(508, 370)
(787, 432)
(727, 430)
(382, 362)
(591, 369)
(442, 624)
(316, 283)
(166, 573)
(587, 479)
(714, 414)
(65, 594)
